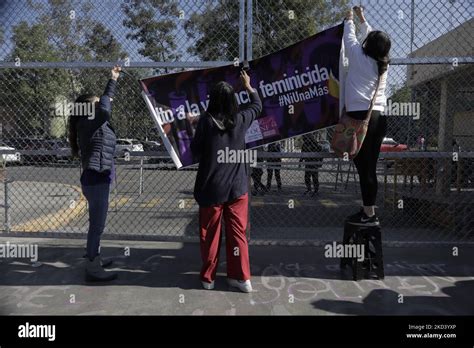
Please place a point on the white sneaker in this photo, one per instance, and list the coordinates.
(242, 285)
(208, 286)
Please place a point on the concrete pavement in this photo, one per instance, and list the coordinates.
(162, 278)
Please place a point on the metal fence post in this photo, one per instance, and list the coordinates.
(115, 188)
(140, 186)
(249, 29)
(242, 30)
(6, 205)
(7, 208)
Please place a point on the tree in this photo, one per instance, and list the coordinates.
(276, 24)
(101, 46)
(65, 31)
(153, 24)
(67, 22)
(215, 31)
(32, 90)
(281, 23)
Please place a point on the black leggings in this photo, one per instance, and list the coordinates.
(270, 176)
(311, 172)
(366, 159)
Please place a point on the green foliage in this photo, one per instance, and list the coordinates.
(152, 24)
(274, 25)
(57, 35)
(215, 31)
(32, 90)
(403, 95)
(69, 31)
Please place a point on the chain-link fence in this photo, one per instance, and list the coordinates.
(52, 51)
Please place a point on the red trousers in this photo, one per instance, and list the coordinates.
(237, 250)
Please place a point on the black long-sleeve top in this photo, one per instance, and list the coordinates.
(216, 182)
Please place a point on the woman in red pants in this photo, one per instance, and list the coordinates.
(221, 187)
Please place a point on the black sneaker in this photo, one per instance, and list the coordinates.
(361, 219)
(103, 262)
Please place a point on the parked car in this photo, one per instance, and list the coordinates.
(9, 158)
(390, 145)
(61, 148)
(153, 146)
(162, 157)
(125, 146)
(37, 150)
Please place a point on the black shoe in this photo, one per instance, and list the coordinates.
(307, 191)
(103, 262)
(315, 193)
(107, 262)
(95, 272)
(361, 219)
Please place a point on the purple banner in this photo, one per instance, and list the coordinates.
(298, 85)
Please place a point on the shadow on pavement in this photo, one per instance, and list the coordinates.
(431, 282)
(381, 302)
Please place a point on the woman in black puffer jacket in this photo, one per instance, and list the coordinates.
(93, 139)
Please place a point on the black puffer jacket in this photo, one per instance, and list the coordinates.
(97, 138)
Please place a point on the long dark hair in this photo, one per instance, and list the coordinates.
(72, 134)
(377, 46)
(223, 104)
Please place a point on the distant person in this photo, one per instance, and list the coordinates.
(274, 166)
(221, 189)
(93, 140)
(422, 143)
(366, 77)
(256, 175)
(456, 146)
(311, 173)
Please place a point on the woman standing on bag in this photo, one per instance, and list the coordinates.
(368, 65)
(221, 187)
(93, 139)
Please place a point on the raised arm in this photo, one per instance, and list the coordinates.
(365, 27)
(251, 112)
(350, 39)
(109, 92)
